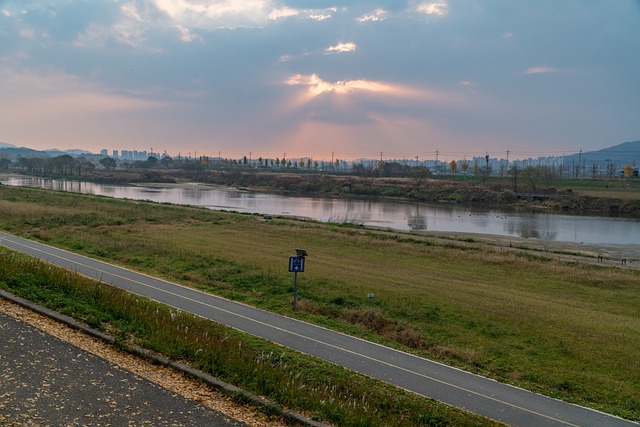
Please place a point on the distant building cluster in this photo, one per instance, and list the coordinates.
(130, 154)
(609, 162)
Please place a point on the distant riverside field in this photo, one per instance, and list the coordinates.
(568, 330)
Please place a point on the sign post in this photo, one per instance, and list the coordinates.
(296, 265)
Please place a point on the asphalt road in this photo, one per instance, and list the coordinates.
(46, 381)
(505, 403)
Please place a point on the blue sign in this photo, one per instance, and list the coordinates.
(296, 264)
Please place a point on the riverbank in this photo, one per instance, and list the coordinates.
(454, 223)
(587, 197)
(624, 255)
(513, 315)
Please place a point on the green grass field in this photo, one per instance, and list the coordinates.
(616, 188)
(563, 329)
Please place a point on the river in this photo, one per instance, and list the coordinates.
(395, 215)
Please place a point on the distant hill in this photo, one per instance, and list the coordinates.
(621, 154)
(12, 152)
(15, 152)
(71, 152)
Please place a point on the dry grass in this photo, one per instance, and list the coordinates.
(541, 324)
(631, 194)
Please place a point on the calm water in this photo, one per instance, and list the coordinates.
(391, 214)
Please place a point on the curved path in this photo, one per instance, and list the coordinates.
(505, 403)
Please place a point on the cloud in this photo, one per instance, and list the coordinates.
(375, 16)
(341, 48)
(129, 29)
(438, 9)
(59, 95)
(285, 12)
(209, 15)
(468, 85)
(313, 14)
(541, 69)
(27, 33)
(319, 17)
(137, 23)
(186, 35)
(317, 86)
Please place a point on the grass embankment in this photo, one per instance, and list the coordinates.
(322, 390)
(566, 330)
(619, 188)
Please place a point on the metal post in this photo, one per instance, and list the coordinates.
(295, 291)
(296, 265)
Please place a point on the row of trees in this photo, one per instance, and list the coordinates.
(534, 178)
(59, 165)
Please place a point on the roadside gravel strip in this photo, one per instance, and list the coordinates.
(24, 402)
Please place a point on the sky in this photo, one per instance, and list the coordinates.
(342, 79)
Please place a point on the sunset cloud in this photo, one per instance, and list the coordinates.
(128, 29)
(541, 69)
(218, 14)
(186, 35)
(376, 15)
(316, 86)
(285, 12)
(319, 17)
(313, 14)
(438, 9)
(341, 48)
(195, 72)
(46, 96)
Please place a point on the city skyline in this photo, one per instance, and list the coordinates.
(352, 78)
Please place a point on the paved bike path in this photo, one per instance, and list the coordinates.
(46, 381)
(477, 394)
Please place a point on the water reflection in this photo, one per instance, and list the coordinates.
(417, 223)
(531, 229)
(391, 214)
(415, 220)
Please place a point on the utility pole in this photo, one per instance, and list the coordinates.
(507, 168)
(579, 163)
